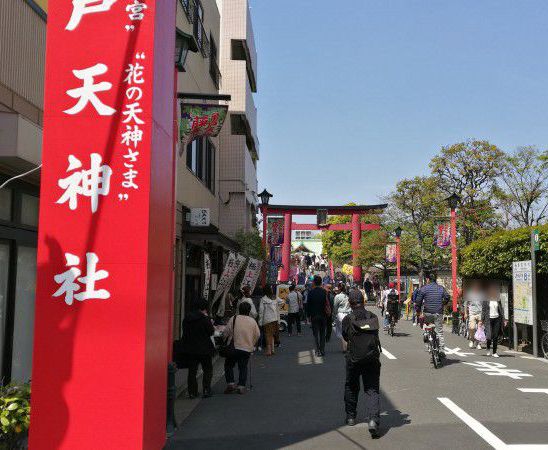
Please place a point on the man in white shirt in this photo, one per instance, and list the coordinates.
(246, 292)
(294, 308)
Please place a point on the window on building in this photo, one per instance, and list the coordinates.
(200, 160)
(5, 204)
(29, 210)
(303, 235)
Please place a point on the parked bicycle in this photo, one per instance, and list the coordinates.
(432, 342)
(544, 339)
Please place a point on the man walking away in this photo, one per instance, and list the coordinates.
(294, 307)
(431, 300)
(368, 288)
(316, 311)
(361, 331)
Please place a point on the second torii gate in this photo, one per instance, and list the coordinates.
(288, 211)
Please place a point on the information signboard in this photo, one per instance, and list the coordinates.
(522, 280)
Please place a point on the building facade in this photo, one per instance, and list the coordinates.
(238, 160)
(204, 181)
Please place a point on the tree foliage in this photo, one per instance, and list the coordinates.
(492, 257)
(250, 244)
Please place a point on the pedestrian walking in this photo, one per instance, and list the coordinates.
(329, 319)
(197, 348)
(473, 307)
(294, 307)
(360, 329)
(268, 318)
(318, 311)
(246, 298)
(341, 308)
(492, 316)
(244, 332)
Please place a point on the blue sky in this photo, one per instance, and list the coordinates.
(355, 95)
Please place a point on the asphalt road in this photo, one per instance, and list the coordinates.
(297, 401)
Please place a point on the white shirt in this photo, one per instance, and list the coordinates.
(293, 302)
(253, 312)
(493, 309)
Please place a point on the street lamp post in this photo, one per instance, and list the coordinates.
(265, 197)
(398, 231)
(453, 201)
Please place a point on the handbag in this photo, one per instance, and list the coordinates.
(480, 334)
(226, 350)
(181, 359)
(327, 305)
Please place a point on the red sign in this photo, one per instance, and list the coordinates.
(106, 228)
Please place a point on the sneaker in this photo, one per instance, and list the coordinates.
(495, 355)
(479, 347)
(373, 429)
(414, 324)
(241, 390)
(230, 389)
(350, 421)
(471, 345)
(489, 353)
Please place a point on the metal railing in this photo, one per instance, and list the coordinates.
(201, 37)
(189, 7)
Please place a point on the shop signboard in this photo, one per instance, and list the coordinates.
(104, 279)
(199, 217)
(522, 281)
(200, 120)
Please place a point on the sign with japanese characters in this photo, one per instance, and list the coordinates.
(275, 235)
(199, 217)
(391, 253)
(522, 281)
(200, 120)
(105, 245)
(207, 276)
(252, 272)
(443, 235)
(233, 265)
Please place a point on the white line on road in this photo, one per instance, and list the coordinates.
(388, 354)
(537, 359)
(534, 390)
(483, 432)
(480, 430)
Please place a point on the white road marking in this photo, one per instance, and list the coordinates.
(457, 351)
(483, 432)
(533, 390)
(498, 369)
(544, 360)
(388, 354)
(476, 426)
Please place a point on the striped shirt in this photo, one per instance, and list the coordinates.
(432, 297)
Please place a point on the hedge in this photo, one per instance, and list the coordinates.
(492, 257)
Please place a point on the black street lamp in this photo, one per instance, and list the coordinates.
(183, 44)
(453, 200)
(398, 231)
(265, 197)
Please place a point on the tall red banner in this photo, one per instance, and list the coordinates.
(106, 228)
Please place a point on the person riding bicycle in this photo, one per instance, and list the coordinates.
(431, 300)
(392, 305)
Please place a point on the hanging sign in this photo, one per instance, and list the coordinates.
(200, 120)
(331, 270)
(104, 271)
(391, 253)
(443, 235)
(233, 265)
(272, 275)
(275, 231)
(199, 217)
(251, 275)
(207, 276)
(522, 281)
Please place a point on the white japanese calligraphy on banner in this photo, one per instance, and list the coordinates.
(233, 265)
(207, 275)
(252, 272)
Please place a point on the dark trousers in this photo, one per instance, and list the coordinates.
(370, 373)
(241, 358)
(318, 329)
(207, 368)
(328, 329)
(294, 318)
(495, 331)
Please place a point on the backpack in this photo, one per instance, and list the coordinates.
(363, 343)
(392, 301)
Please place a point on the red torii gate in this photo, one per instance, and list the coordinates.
(288, 211)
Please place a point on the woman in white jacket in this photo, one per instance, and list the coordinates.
(268, 318)
(341, 308)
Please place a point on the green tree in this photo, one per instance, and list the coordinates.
(250, 244)
(524, 187)
(470, 169)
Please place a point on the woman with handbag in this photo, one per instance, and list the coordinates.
(243, 333)
(492, 317)
(196, 348)
(268, 318)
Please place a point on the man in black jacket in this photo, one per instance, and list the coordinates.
(361, 330)
(197, 348)
(316, 311)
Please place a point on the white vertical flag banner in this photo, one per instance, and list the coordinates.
(207, 275)
(252, 274)
(233, 265)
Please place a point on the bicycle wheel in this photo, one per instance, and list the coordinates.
(544, 344)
